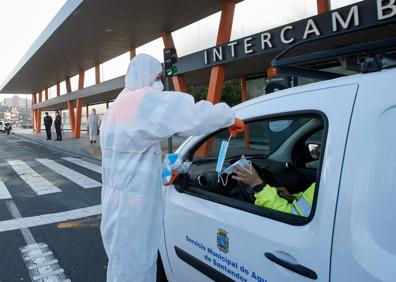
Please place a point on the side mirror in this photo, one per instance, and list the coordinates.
(181, 182)
(314, 150)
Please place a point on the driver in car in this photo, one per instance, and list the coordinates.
(277, 198)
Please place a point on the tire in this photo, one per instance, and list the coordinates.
(161, 276)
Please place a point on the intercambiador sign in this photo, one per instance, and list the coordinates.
(362, 15)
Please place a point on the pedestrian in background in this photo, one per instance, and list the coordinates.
(93, 126)
(8, 128)
(48, 124)
(58, 126)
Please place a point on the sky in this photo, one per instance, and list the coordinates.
(22, 21)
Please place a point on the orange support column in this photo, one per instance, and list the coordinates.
(46, 94)
(97, 73)
(70, 105)
(38, 114)
(178, 80)
(57, 89)
(77, 126)
(223, 36)
(245, 98)
(217, 73)
(33, 112)
(323, 6)
(68, 85)
(132, 53)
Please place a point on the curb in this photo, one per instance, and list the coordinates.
(58, 146)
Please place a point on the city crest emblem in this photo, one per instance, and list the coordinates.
(223, 241)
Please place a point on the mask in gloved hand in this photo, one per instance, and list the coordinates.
(157, 85)
(172, 166)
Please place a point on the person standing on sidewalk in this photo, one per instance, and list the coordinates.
(132, 196)
(58, 126)
(48, 124)
(93, 125)
(8, 128)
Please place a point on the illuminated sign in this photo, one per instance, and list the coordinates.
(359, 16)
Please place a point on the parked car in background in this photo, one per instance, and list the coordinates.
(2, 126)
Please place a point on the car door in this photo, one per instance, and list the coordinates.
(207, 239)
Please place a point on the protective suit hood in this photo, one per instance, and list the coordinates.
(142, 71)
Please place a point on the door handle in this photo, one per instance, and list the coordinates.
(297, 268)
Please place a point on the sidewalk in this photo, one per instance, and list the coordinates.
(77, 146)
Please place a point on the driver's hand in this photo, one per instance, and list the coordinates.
(284, 193)
(247, 178)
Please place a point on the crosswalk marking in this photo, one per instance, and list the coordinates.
(85, 164)
(39, 184)
(4, 194)
(70, 174)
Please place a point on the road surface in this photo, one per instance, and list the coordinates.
(49, 215)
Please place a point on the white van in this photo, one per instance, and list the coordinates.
(339, 134)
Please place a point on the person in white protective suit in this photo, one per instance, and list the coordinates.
(93, 125)
(132, 193)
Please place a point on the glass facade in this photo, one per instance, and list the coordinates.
(100, 110)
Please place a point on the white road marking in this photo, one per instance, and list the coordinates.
(26, 222)
(34, 247)
(39, 184)
(43, 264)
(70, 174)
(36, 254)
(85, 164)
(49, 273)
(4, 193)
(39, 260)
(27, 235)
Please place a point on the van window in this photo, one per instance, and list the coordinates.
(281, 154)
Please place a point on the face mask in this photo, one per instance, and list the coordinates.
(222, 155)
(173, 163)
(158, 85)
(242, 163)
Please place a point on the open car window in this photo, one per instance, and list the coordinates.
(280, 149)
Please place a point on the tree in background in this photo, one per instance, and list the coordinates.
(231, 93)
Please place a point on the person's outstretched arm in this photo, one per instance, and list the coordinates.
(173, 113)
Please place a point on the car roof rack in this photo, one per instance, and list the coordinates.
(371, 52)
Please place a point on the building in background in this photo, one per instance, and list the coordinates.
(18, 102)
(17, 110)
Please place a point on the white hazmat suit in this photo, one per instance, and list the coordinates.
(93, 124)
(132, 193)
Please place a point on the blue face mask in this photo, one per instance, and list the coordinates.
(243, 163)
(222, 155)
(173, 162)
